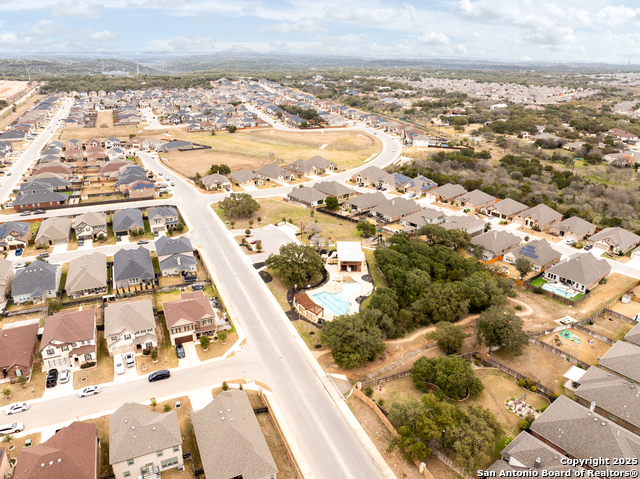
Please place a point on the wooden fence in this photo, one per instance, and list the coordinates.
(562, 354)
(619, 316)
(511, 372)
(360, 395)
(392, 377)
(446, 460)
(555, 296)
(599, 336)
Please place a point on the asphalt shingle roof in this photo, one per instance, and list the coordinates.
(583, 268)
(127, 219)
(132, 263)
(623, 358)
(166, 245)
(35, 279)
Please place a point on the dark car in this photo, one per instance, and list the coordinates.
(180, 351)
(52, 378)
(588, 247)
(39, 212)
(158, 375)
(197, 287)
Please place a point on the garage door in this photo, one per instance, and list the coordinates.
(184, 339)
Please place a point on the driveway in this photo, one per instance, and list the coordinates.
(190, 356)
(272, 237)
(61, 390)
(130, 374)
(59, 248)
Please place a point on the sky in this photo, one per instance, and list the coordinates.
(493, 30)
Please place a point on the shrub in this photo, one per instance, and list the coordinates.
(380, 402)
(538, 290)
(533, 388)
(222, 335)
(554, 396)
(154, 403)
(519, 308)
(240, 387)
(225, 386)
(6, 392)
(166, 408)
(154, 354)
(88, 364)
(204, 341)
(368, 391)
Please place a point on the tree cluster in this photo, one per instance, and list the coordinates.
(220, 169)
(453, 376)
(239, 205)
(296, 264)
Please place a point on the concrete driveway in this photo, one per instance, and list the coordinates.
(130, 374)
(190, 356)
(272, 238)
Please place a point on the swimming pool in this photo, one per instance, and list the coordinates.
(559, 290)
(337, 303)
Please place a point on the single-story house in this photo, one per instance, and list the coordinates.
(582, 271)
(212, 182)
(17, 351)
(426, 216)
(614, 240)
(372, 175)
(364, 203)
(540, 217)
(351, 257)
(33, 200)
(275, 173)
(246, 178)
(469, 224)
(394, 209)
(55, 230)
(87, 275)
(446, 193)
(420, 185)
(496, 243)
(309, 197)
(476, 200)
(622, 359)
(573, 228)
(539, 252)
(505, 209)
(333, 188)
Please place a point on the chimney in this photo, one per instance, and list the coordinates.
(178, 260)
(593, 406)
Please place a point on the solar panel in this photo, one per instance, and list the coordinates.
(529, 251)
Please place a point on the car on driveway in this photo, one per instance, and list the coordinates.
(65, 374)
(570, 241)
(180, 351)
(81, 242)
(19, 265)
(129, 360)
(44, 255)
(118, 363)
(11, 428)
(158, 375)
(143, 242)
(52, 378)
(89, 391)
(16, 408)
(197, 287)
(18, 252)
(588, 247)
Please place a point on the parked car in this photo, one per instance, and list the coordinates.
(89, 391)
(25, 213)
(588, 247)
(65, 374)
(52, 378)
(44, 255)
(39, 212)
(9, 204)
(143, 241)
(8, 173)
(159, 375)
(180, 351)
(129, 360)
(118, 363)
(19, 265)
(570, 241)
(18, 251)
(16, 408)
(197, 287)
(11, 428)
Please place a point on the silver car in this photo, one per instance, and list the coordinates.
(89, 391)
(65, 374)
(16, 408)
(11, 428)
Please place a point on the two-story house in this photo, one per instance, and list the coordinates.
(69, 338)
(14, 234)
(87, 275)
(175, 255)
(161, 218)
(37, 282)
(132, 267)
(143, 443)
(130, 327)
(91, 225)
(190, 317)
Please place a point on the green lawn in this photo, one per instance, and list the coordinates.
(538, 282)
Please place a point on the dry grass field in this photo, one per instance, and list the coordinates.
(121, 132)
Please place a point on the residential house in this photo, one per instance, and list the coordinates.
(162, 218)
(55, 230)
(573, 228)
(87, 275)
(364, 203)
(316, 165)
(127, 220)
(622, 135)
(539, 253)
(633, 336)
(505, 209)
(394, 209)
(72, 452)
(69, 338)
(446, 193)
(538, 218)
(6, 277)
(132, 267)
(112, 142)
(476, 200)
(622, 359)
(420, 185)
(231, 442)
(426, 216)
(143, 443)
(73, 144)
(130, 327)
(33, 200)
(275, 173)
(91, 225)
(612, 397)
(614, 240)
(306, 196)
(582, 272)
(5, 466)
(73, 154)
(93, 143)
(245, 178)
(175, 256)
(215, 181)
(335, 189)
(469, 224)
(372, 175)
(37, 282)
(14, 234)
(17, 351)
(496, 243)
(190, 317)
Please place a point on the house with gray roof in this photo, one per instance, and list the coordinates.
(127, 220)
(162, 218)
(39, 199)
(132, 267)
(143, 442)
(469, 224)
(539, 253)
(87, 275)
(333, 188)
(496, 243)
(231, 443)
(55, 230)
(612, 397)
(45, 183)
(306, 196)
(130, 327)
(622, 359)
(37, 282)
(574, 228)
(14, 234)
(540, 217)
(372, 175)
(212, 182)
(505, 209)
(91, 225)
(426, 216)
(364, 203)
(575, 431)
(614, 240)
(316, 165)
(420, 185)
(275, 173)
(633, 336)
(394, 209)
(446, 193)
(175, 255)
(245, 178)
(582, 272)
(476, 200)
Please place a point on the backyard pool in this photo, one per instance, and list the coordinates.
(337, 303)
(560, 290)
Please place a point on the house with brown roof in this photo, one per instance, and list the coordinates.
(73, 154)
(90, 225)
(93, 143)
(573, 228)
(505, 209)
(496, 243)
(96, 154)
(615, 240)
(69, 338)
(476, 199)
(540, 217)
(65, 170)
(190, 317)
(446, 193)
(17, 351)
(72, 452)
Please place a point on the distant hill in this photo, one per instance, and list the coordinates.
(11, 68)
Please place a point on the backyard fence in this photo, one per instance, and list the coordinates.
(619, 316)
(599, 336)
(555, 296)
(392, 377)
(562, 354)
(512, 372)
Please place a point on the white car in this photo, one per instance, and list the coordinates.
(11, 428)
(118, 363)
(570, 241)
(65, 374)
(129, 360)
(89, 391)
(19, 265)
(16, 408)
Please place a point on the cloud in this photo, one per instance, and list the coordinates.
(487, 10)
(104, 36)
(77, 10)
(433, 38)
(185, 43)
(614, 16)
(305, 25)
(460, 49)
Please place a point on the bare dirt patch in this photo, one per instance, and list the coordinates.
(585, 351)
(611, 327)
(121, 132)
(629, 310)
